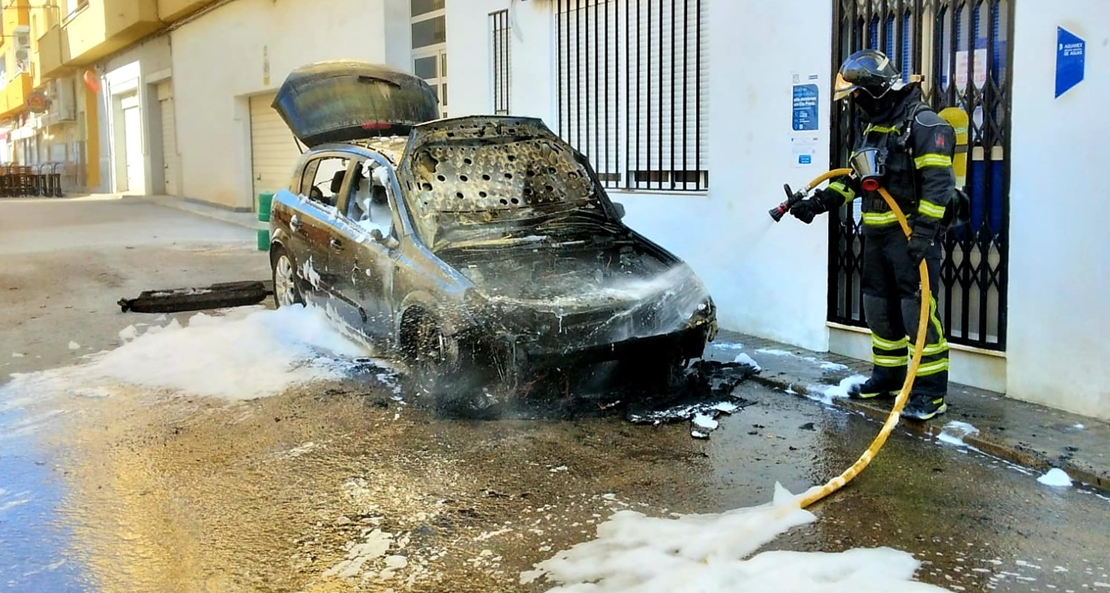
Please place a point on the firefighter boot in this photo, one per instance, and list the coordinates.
(924, 407)
(878, 386)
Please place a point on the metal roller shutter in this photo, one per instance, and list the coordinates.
(274, 150)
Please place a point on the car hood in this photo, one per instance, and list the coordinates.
(344, 100)
(466, 175)
(575, 273)
(584, 301)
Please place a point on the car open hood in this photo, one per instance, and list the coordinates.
(342, 100)
(472, 172)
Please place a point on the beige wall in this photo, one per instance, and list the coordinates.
(218, 63)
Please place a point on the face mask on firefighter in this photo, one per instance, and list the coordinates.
(869, 165)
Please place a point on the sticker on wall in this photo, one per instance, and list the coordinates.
(265, 65)
(805, 106)
(805, 120)
(1071, 53)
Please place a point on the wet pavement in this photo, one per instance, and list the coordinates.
(1028, 434)
(338, 486)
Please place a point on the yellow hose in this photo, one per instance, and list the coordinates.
(818, 492)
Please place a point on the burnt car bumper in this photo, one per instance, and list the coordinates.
(683, 344)
(536, 340)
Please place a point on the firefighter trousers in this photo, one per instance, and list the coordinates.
(891, 287)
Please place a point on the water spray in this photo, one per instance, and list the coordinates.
(818, 492)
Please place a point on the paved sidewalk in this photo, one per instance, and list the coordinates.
(1026, 434)
(244, 219)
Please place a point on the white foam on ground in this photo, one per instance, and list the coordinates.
(705, 422)
(745, 359)
(826, 393)
(634, 553)
(1055, 477)
(245, 354)
(954, 432)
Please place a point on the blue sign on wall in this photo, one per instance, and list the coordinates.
(1071, 53)
(805, 107)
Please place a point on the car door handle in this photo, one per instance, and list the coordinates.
(336, 244)
(295, 223)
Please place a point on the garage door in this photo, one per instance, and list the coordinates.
(274, 151)
(170, 159)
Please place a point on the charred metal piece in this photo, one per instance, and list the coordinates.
(216, 296)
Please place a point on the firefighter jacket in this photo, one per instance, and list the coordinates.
(918, 146)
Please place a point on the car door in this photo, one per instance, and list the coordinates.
(313, 223)
(365, 257)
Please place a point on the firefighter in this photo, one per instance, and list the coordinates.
(914, 149)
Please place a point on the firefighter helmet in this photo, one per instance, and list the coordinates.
(867, 70)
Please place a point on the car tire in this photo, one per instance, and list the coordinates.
(452, 381)
(425, 349)
(283, 270)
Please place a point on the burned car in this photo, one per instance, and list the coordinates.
(480, 248)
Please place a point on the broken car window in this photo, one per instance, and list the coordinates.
(327, 179)
(368, 204)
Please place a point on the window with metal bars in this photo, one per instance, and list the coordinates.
(632, 90)
(963, 50)
(501, 50)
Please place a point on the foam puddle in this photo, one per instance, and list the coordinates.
(709, 553)
(954, 432)
(241, 355)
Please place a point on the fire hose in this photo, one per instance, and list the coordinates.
(817, 493)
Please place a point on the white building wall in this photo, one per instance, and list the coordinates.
(1059, 261)
(767, 279)
(218, 64)
(135, 70)
(532, 60)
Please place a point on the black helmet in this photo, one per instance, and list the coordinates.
(868, 70)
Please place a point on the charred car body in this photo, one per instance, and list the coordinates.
(469, 243)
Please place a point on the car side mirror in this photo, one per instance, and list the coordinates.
(620, 210)
(389, 242)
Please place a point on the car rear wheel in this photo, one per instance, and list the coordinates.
(286, 291)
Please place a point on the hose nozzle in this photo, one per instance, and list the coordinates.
(791, 198)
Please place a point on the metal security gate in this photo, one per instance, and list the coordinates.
(963, 50)
(633, 90)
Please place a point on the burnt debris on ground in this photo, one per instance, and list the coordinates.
(700, 395)
(216, 296)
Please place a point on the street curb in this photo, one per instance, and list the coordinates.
(1014, 453)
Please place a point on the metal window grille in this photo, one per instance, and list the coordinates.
(633, 91)
(502, 61)
(963, 49)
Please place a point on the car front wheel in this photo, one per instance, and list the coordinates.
(286, 291)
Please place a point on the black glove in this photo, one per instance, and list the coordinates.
(918, 246)
(807, 209)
